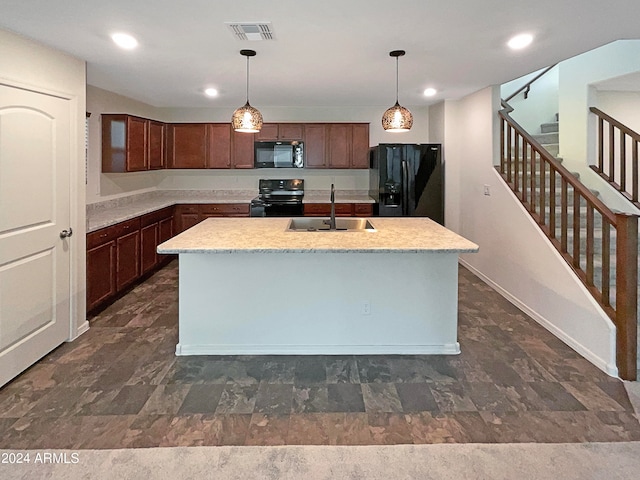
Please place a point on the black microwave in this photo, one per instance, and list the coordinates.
(279, 154)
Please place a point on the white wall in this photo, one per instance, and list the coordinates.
(442, 129)
(515, 256)
(29, 64)
(623, 106)
(105, 186)
(541, 104)
(576, 94)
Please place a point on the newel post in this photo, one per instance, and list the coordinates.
(626, 295)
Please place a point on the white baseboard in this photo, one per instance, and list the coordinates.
(82, 328)
(446, 349)
(602, 364)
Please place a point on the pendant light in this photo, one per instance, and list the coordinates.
(397, 118)
(246, 118)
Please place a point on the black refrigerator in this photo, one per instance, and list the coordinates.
(407, 180)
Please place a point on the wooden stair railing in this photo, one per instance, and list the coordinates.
(617, 139)
(555, 198)
(526, 88)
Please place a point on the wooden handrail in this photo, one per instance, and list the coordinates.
(621, 126)
(558, 167)
(532, 173)
(527, 86)
(614, 171)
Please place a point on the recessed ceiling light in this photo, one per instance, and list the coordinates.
(211, 92)
(520, 41)
(430, 92)
(124, 40)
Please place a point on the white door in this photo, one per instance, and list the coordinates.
(34, 209)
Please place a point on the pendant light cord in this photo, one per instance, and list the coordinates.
(397, 79)
(247, 79)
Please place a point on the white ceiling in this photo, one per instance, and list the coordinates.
(325, 53)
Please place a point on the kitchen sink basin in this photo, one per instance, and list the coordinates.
(316, 224)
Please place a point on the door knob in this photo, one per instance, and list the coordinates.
(66, 233)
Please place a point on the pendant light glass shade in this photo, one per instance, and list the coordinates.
(397, 118)
(247, 119)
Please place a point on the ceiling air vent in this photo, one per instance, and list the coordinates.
(251, 30)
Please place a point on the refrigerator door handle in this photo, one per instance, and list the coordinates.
(405, 188)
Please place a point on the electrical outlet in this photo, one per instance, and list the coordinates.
(366, 308)
(487, 190)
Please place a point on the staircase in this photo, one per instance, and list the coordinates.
(548, 138)
(600, 245)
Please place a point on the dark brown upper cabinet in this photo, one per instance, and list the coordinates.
(125, 146)
(157, 143)
(188, 145)
(272, 132)
(242, 149)
(315, 145)
(209, 145)
(132, 144)
(359, 145)
(336, 145)
(219, 145)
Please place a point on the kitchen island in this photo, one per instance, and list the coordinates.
(250, 286)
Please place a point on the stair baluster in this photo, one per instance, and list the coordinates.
(614, 169)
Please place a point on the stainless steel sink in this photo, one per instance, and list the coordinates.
(316, 224)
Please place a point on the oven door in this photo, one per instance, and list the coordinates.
(283, 209)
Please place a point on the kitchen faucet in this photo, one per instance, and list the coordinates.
(332, 220)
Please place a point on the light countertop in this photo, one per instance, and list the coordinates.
(105, 214)
(269, 235)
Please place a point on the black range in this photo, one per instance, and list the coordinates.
(278, 198)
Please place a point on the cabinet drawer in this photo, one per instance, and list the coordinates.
(107, 234)
(225, 209)
(324, 209)
(188, 208)
(125, 228)
(316, 209)
(363, 209)
(102, 236)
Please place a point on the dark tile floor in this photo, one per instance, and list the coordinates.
(120, 385)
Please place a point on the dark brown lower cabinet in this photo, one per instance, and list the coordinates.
(101, 283)
(155, 228)
(127, 259)
(166, 229)
(342, 209)
(108, 270)
(148, 242)
(188, 215)
(119, 255)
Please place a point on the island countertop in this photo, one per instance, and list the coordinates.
(269, 235)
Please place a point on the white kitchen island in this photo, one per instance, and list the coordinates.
(249, 286)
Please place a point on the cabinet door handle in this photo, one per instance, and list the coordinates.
(126, 227)
(66, 233)
(103, 235)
